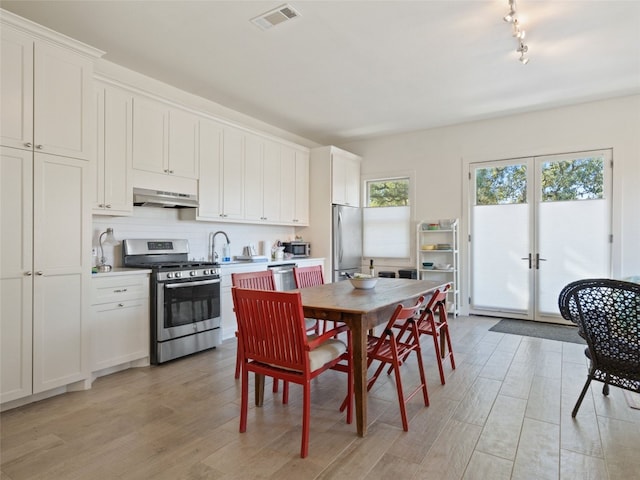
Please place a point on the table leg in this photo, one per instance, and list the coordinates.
(359, 339)
(259, 390)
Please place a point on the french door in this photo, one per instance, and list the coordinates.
(537, 224)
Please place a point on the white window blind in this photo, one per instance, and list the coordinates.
(386, 232)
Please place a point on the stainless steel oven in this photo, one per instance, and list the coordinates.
(185, 298)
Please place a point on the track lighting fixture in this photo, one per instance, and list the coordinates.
(512, 18)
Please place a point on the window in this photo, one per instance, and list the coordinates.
(387, 218)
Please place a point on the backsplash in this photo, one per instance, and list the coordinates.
(163, 223)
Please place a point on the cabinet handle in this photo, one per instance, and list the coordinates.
(28, 144)
(39, 273)
(120, 290)
(171, 171)
(39, 147)
(166, 170)
(28, 273)
(101, 205)
(121, 304)
(108, 205)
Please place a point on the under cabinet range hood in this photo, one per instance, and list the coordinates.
(143, 197)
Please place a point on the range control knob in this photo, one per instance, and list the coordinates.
(205, 272)
(193, 273)
(178, 274)
(169, 275)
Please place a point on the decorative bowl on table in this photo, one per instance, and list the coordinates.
(363, 282)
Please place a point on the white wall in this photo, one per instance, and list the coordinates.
(151, 222)
(440, 156)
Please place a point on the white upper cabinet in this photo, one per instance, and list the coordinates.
(183, 144)
(345, 178)
(221, 188)
(165, 139)
(46, 96)
(232, 174)
(113, 188)
(150, 136)
(262, 179)
(294, 194)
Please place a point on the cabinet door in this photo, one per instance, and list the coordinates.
(117, 142)
(63, 107)
(16, 280)
(345, 179)
(352, 182)
(232, 174)
(97, 194)
(254, 178)
(272, 178)
(113, 192)
(338, 179)
(210, 153)
(16, 89)
(61, 261)
(183, 144)
(288, 190)
(150, 124)
(119, 333)
(301, 216)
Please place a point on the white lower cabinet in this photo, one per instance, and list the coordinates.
(119, 320)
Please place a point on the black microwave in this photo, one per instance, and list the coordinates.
(297, 249)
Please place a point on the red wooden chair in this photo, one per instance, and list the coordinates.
(274, 340)
(437, 328)
(389, 349)
(309, 277)
(262, 280)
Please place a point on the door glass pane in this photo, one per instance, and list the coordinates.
(573, 224)
(500, 233)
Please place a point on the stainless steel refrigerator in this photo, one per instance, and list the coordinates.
(347, 241)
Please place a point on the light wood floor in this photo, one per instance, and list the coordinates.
(505, 412)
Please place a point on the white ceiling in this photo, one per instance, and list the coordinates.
(347, 70)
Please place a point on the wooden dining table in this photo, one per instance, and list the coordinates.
(362, 310)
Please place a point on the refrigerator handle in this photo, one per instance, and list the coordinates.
(339, 233)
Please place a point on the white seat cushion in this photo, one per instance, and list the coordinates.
(309, 323)
(328, 351)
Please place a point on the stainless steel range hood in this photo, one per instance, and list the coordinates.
(143, 197)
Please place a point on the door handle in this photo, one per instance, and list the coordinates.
(538, 260)
(527, 258)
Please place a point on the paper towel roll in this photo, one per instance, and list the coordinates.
(266, 248)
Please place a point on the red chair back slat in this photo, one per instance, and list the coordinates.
(308, 276)
(262, 280)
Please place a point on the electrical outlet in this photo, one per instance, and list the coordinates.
(94, 252)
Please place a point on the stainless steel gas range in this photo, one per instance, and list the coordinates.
(185, 297)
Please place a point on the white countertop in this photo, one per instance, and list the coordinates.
(122, 271)
(236, 263)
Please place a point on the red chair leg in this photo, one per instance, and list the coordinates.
(306, 416)
(436, 346)
(403, 409)
(244, 402)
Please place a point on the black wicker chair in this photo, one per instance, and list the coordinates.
(607, 313)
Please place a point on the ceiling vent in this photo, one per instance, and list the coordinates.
(276, 16)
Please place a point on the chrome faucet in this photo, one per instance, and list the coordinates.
(212, 241)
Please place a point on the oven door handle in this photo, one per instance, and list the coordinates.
(191, 284)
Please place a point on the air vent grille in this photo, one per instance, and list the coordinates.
(275, 17)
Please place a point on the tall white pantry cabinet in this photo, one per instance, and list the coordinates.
(45, 130)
